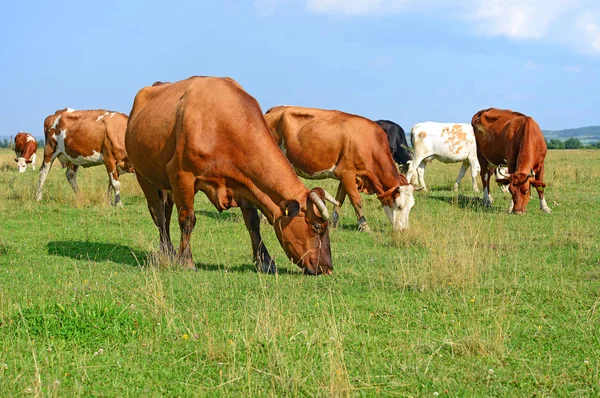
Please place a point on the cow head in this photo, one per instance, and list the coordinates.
(22, 164)
(397, 203)
(303, 233)
(520, 189)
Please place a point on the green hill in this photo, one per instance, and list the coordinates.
(586, 135)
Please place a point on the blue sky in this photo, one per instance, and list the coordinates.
(404, 60)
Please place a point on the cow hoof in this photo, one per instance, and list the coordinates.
(364, 227)
(335, 217)
(267, 267)
(118, 205)
(546, 210)
(455, 187)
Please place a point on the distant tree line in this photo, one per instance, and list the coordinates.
(571, 143)
(6, 143)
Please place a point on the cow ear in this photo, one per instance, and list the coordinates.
(388, 197)
(518, 179)
(537, 184)
(290, 208)
(503, 181)
(28, 161)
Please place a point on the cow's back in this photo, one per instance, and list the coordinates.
(198, 121)
(450, 141)
(396, 140)
(20, 141)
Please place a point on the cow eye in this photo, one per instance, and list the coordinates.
(317, 228)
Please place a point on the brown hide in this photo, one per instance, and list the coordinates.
(315, 141)
(207, 134)
(24, 148)
(87, 135)
(514, 139)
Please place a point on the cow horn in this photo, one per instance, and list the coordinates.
(532, 174)
(330, 198)
(320, 205)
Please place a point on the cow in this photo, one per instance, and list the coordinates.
(84, 139)
(352, 149)
(397, 142)
(446, 142)
(25, 150)
(514, 140)
(208, 134)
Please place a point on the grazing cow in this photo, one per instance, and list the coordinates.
(85, 139)
(25, 149)
(397, 142)
(515, 140)
(207, 134)
(446, 142)
(331, 144)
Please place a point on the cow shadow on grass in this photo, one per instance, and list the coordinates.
(466, 202)
(125, 255)
(98, 251)
(223, 216)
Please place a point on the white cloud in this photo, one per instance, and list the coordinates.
(530, 65)
(516, 19)
(588, 26)
(573, 23)
(356, 7)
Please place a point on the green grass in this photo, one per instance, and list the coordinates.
(469, 302)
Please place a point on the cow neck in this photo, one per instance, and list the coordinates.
(275, 189)
(390, 179)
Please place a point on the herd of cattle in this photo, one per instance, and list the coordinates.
(208, 134)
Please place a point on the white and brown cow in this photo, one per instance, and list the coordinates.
(85, 139)
(25, 149)
(446, 142)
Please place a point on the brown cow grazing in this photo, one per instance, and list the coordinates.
(25, 149)
(352, 149)
(207, 134)
(85, 139)
(507, 138)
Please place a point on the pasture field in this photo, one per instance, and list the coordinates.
(469, 302)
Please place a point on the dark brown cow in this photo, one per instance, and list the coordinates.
(515, 140)
(352, 149)
(85, 139)
(207, 134)
(25, 150)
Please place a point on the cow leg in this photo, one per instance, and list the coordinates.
(71, 174)
(485, 179)
(461, 174)
(261, 256)
(485, 172)
(412, 168)
(33, 161)
(540, 189)
(160, 205)
(182, 189)
(474, 164)
(349, 181)
(340, 196)
(115, 185)
(44, 170)
(421, 175)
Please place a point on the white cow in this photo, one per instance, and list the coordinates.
(446, 142)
